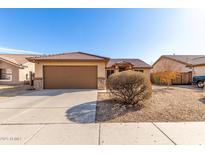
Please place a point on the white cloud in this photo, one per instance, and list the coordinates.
(17, 51)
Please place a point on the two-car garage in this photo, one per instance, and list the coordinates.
(70, 77)
(72, 70)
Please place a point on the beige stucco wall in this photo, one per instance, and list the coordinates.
(14, 72)
(38, 83)
(165, 63)
(100, 67)
(147, 73)
(199, 71)
(18, 75)
(27, 68)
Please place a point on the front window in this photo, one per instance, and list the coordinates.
(109, 72)
(122, 69)
(5, 74)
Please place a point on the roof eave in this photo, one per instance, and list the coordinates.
(146, 67)
(43, 60)
(194, 65)
(170, 59)
(12, 63)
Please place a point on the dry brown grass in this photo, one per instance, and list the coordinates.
(182, 103)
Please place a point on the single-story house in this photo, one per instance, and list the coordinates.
(15, 68)
(187, 65)
(80, 70)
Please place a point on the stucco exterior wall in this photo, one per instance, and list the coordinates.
(18, 75)
(22, 72)
(199, 71)
(100, 66)
(165, 63)
(101, 74)
(14, 73)
(147, 72)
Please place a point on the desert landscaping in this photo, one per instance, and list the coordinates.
(176, 104)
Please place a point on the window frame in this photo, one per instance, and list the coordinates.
(5, 74)
(109, 73)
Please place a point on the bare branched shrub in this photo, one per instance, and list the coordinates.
(129, 87)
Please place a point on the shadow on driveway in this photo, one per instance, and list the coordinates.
(83, 113)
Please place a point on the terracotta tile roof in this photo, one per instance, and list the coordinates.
(136, 62)
(17, 59)
(69, 56)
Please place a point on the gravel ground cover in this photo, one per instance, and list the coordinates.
(179, 103)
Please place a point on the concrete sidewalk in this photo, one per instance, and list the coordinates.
(104, 133)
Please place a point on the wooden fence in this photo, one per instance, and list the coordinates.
(183, 78)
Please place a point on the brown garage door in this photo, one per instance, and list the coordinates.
(68, 77)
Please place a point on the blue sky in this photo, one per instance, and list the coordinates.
(117, 33)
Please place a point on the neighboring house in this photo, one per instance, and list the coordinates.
(80, 70)
(15, 68)
(198, 66)
(187, 65)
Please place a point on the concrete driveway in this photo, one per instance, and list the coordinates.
(50, 106)
(23, 116)
(68, 117)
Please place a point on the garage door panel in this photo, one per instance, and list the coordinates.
(68, 77)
